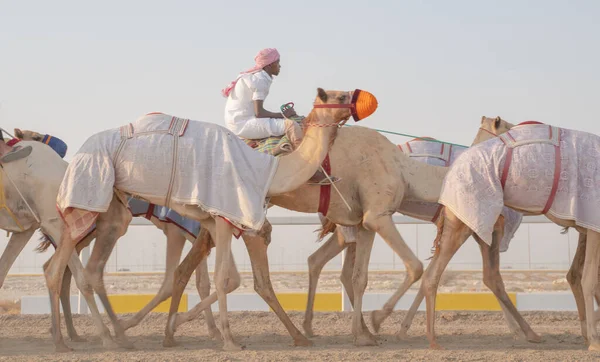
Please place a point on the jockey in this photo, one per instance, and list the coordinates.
(245, 115)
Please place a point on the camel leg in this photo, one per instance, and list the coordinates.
(182, 275)
(360, 277)
(449, 244)
(54, 270)
(493, 280)
(175, 243)
(316, 262)
(16, 243)
(257, 250)
(65, 299)
(574, 279)
(348, 270)
(589, 282)
(410, 315)
(225, 273)
(203, 287)
(108, 234)
(386, 228)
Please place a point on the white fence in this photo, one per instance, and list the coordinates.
(537, 244)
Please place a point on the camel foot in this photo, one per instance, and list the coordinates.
(303, 342)
(123, 342)
(534, 337)
(61, 347)
(215, 334)
(377, 318)
(109, 343)
(169, 341)
(594, 346)
(77, 338)
(232, 347)
(402, 334)
(179, 320)
(436, 346)
(365, 340)
(307, 326)
(127, 323)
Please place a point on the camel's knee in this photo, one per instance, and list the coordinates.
(415, 270)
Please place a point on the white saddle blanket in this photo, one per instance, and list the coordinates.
(440, 154)
(472, 188)
(161, 156)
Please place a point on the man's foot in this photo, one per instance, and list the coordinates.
(320, 179)
(16, 153)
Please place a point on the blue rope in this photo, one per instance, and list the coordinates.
(408, 135)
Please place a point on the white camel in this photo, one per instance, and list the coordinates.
(535, 169)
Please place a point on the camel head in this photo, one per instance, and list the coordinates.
(490, 128)
(335, 107)
(56, 144)
(28, 135)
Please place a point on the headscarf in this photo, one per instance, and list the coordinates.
(263, 58)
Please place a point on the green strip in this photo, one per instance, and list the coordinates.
(408, 135)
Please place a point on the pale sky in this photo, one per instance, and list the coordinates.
(74, 68)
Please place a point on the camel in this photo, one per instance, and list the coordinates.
(283, 175)
(176, 237)
(536, 139)
(422, 150)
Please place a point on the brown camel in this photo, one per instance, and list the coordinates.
(288, 173)
(536, 138)
(420, 210)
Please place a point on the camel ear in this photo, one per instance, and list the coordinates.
(482, 119)
(322, 94)
(18, 133)
(497, 122)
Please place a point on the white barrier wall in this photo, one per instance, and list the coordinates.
(536, 245)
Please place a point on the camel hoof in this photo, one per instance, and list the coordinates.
(215, 334)
(126, 323)
(77, 338)
(303, 342)
(62, 348)
(436, 346)
(125, 343)
(594, 346)
(169, 341)
(365, 340)
(402, 335)
(534, 338)
(232, 347)
(377, 318)
(109, 343)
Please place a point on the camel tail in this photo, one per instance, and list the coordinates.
(439, 223)
(564, 230)
(207, 243)
(45, 243)
(327, 228)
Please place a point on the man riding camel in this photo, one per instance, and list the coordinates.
(245, 115)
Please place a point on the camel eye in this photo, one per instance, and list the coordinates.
(37, 138)
(342, 98)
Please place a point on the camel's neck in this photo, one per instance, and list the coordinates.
(298, 167)
(424, 181)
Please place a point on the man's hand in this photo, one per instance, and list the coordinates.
(289, 112)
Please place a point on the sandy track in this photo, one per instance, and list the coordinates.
(452, 281)
(467, 337)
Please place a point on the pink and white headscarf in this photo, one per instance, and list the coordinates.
(263, 58)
